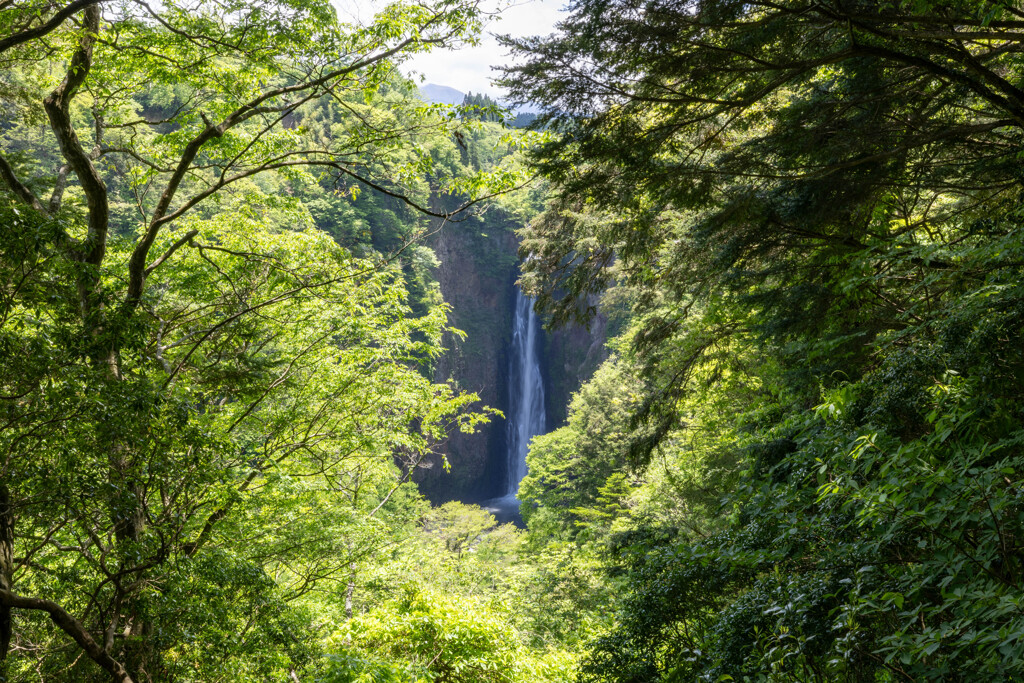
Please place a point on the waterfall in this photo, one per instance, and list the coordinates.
(525, 415)
(526, 391)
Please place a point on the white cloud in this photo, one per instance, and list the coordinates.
(470, 69)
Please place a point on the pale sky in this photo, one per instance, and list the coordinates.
(469, 69)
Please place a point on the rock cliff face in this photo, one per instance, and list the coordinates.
(477, 274)
(572, 355)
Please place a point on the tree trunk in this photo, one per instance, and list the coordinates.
(129, 524)
(6, 573)
(349, 590)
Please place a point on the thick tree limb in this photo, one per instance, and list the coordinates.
(57, 105)
(38, 32)
(20, 190)
(71, 627)
(963, 56)
(978, 88)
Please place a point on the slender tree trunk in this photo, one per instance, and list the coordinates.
(6, 573)
(350, 589)
(129, 525)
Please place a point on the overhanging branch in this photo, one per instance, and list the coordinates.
(20, 190)
(38, 32)
(72, 627)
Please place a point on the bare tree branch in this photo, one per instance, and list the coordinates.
(170, 250)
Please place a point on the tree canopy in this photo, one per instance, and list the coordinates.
(810, 211)
(799, 220)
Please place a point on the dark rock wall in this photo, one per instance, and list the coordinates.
(477, 274)
(572, 354)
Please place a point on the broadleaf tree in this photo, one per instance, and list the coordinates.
(189, 366)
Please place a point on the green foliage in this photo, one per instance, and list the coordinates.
(813, 211)
(215, 348)
(803, 460)
(482, 107)
(429, 637)
(218, 428)
(569, 466)
(877, 559)
(457, 601)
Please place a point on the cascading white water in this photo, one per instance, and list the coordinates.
(525, 416)
(526, 391)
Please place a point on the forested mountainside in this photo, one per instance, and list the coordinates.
(251, 280)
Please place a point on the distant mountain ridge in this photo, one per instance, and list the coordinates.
(441, 94)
